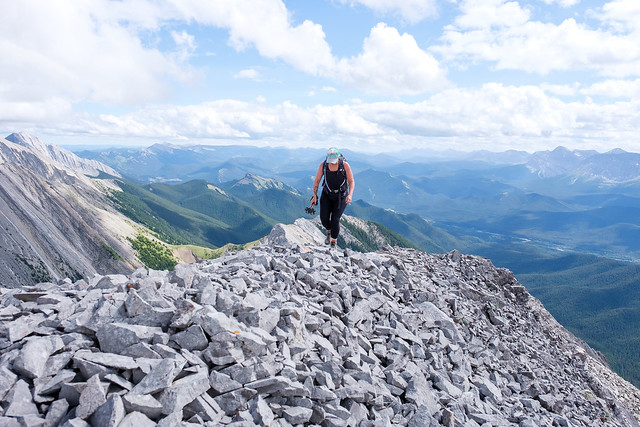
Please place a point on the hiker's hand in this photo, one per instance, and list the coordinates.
(348, 200)
(314, 200)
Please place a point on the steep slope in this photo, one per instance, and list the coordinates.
(289, 334)
(55, 222)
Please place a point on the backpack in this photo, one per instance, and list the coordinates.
(342, 189)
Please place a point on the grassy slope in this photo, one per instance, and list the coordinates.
(191, 219)
(410, 226)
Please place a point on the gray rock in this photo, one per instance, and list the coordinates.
(205, 407)
(261, 412)
(91, 398)
(9, 422)
(285, 334)
(117, 337)
(420, 393)
(235, 400)
(109, 414)
(160, 377)
(191, 339)
(136, 419)
(215, 322)
(89, 369)
(54, 384)
(34, 355)
(269, 385)
(143, 403)
(107, 359)
(488, 389)
(297, 415)
(56, 413)
(183, 391)
(222, 383)
(7, 380)
(422, 417)
(71, 392)
(20, 400)
(76, 422)
(24, 326)
(170, 420)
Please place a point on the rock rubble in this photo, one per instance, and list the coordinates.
(287, 334)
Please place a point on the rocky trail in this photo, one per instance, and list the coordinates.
(287, 334)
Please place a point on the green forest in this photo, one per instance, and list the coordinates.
(153, 254)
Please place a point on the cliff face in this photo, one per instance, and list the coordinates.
(292, 334)
(54, 221)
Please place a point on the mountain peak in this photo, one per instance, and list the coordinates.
(27, 140)
(259, 182)
(617, 151)
(53, 155)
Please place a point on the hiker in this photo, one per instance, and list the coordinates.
(337, 192)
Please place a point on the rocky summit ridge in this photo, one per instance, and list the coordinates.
(288, 334)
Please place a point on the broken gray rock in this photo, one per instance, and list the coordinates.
(284, 334)
(183, 391)
(117, 337)
(143, 403)
(20, 400)
(33, 357)
(109, 414)
(160, 377)
(91, 398)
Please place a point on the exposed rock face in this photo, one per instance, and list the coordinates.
(286, 335)
(61, 156)
(54, 221)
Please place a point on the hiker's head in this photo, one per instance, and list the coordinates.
(332, 155)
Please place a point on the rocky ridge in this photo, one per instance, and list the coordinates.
(55, 221)
(291, 334)
(58, 155)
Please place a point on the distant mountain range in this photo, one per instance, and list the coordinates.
(217, 164)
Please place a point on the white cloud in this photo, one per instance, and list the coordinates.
(495, 115)
(535, 46)
(249, 73)
(265, 25)
(411, 11)
(561, 90)
(563, 3)
(624, 15)
(392, 63)
(626, 89)
(185, 43)
(78, 51)
(107, 52)
(491, 13)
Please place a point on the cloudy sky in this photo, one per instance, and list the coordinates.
(360, 74)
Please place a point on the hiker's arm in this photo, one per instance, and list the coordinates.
(350, 181)
(316, 183)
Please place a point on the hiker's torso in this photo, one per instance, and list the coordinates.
(335, 179)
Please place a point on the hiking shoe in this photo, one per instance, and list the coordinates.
(333, 243)
(328, 239)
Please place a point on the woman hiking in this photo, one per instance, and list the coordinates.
(337, 192)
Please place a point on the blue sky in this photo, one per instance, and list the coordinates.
(374, 75)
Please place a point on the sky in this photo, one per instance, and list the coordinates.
(368, 75)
